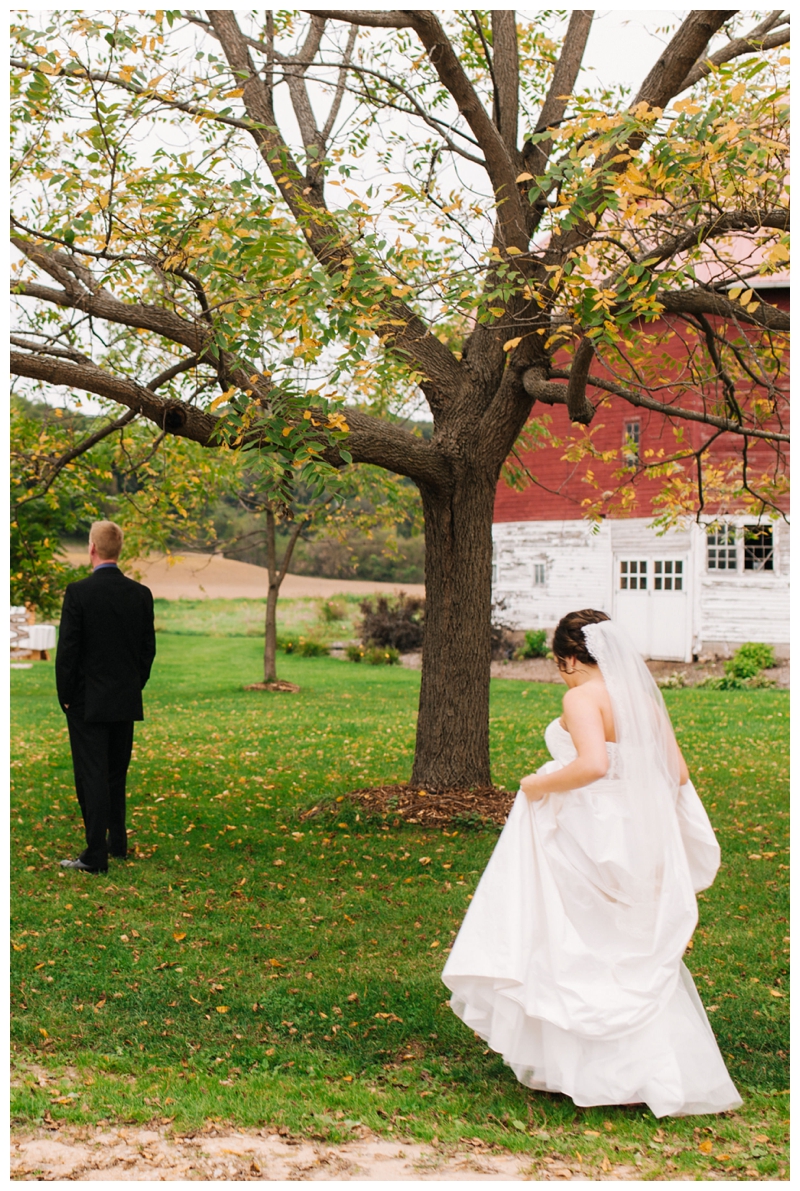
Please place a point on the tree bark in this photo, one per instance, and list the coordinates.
(452, 748)
(270, 624)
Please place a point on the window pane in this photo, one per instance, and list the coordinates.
(722, 549)
(758, 548)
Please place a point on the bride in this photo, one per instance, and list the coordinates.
(568, 962)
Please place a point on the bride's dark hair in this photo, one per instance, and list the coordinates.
(568, 639)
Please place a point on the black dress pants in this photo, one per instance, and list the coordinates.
(101, 754)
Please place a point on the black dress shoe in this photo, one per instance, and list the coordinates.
(81, 867)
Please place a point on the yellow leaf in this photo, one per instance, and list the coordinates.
(497, 311)
(705, 1147)
(237, 91)
(510, 344)
(773, 992)
(524, 177)
(222, 1008)
(178, 935)
(43, 1032)
(287, 430)
(512, 251)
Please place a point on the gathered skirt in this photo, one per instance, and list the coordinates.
(566, 983)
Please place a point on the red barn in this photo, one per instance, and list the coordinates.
(706, 586)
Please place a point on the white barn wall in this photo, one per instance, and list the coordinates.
(725, 609)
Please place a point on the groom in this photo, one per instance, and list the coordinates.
(106, 646)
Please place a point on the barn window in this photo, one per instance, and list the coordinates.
(630, 443)
(633, 574)
(722, 548)
(539, 574)
(758, 554)
(668, 574)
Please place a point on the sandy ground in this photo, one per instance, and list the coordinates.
(209, 576)
(156, 1154)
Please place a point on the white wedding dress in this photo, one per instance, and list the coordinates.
(565, 967)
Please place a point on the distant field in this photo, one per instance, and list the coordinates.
(245, 618)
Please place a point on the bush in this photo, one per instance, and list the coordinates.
(749, 660)
(732, 683)
(398, 622)
(382, 656)
(503, 647)
(311, 649)
(672, 682)
(304, 647)
(331, 611)
(376, 655)
(535, 645)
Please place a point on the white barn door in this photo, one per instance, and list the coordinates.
(651, 602)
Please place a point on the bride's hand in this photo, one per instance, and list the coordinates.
(532, 787)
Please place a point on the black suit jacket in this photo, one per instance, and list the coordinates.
(106, 646)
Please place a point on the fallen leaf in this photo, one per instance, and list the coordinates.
(178, 935)
(222, 1008)
(705, 1147)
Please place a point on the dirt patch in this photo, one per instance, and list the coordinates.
(475, 807)
(190, 576)
(281, 686)
(156, 1153)
(545, 669)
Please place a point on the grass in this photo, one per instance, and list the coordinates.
(245, 618)
(258, 969)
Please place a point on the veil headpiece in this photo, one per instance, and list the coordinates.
(648, 757)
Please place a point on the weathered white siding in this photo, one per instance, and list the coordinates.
(577, 565)
(581, 564)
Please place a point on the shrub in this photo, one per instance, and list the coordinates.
(732, 683)
(331, 611)
(354, 653)
(311, 649)
(382, 656)
(672, 682)
(749, 660)
(503, 647)
(398, 622)
(535, 645)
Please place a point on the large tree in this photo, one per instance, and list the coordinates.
(413, 204)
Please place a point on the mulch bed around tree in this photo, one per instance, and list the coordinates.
(467, 808)
(287, 688)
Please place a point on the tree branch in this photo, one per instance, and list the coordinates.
(705, 301)
(401, 329)
(82, 447)
(666, 78)
(756, 41)
(505, 73)
(500, 166)
(190, 109)
(371, 20)
(578, 405)
(370, 439)
(546, 392)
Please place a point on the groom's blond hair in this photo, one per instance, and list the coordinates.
(107, 539)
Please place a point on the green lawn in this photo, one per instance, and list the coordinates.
(255, 968)
(245, 618)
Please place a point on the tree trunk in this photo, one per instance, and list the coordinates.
(270, 625)
(452, 747)
(276, 577)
